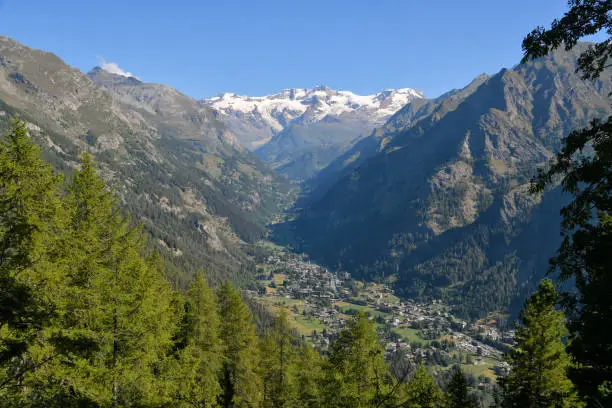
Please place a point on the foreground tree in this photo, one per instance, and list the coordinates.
(198, 356)
(279, 357)
(240, 384)
(457, 391)
(30, 225)
(357, 374)
(115, 299)
(585, 167)
(309, 376)
(422, 391)
(585, 17)
(539, 362)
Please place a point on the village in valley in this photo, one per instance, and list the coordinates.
(320, 302)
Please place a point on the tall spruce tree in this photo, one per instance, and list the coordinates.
(116, 298)
(585, 166)
(198, 358)
(422, 391)
(30, 225)
(539, 362)
(457, 391)
(240, 383)
(279, 356)
(357, 374)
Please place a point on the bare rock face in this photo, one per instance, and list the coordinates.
(178, 169)
(165, 107)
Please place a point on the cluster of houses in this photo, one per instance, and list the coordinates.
(321, 289)
(305, 280)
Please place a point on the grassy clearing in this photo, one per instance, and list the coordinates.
(483, 368)
(411, 335)
(270, 246)
(304, 325)
(287, 302)
(345, 306)
(279, 278)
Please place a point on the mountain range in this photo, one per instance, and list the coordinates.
(439, 195)
(433, 193)
(300, 131)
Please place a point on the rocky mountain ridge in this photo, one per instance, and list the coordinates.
(178, 169)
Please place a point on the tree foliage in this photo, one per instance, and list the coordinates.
(30, 221)
(584, 166)
(458, 392)
(422, 391)
(585, 17)
(539, 363)
(117, 298)
(356, 372)
(290, 371)
(240, 384)
(198, 349)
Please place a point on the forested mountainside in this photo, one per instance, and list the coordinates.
(177, 168)
(300, 131)
(444, 204)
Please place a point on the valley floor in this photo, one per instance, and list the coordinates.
(320, 302)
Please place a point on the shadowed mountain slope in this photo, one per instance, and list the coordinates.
(444, 202)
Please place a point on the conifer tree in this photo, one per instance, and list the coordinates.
(422, 391)
(309, 376)
(117, 299)
(198, 357)
(457, 391)
(357, 374)
(30, 222)
(240, 384)
(279, 360)
(539, 362)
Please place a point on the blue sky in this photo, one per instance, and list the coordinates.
(259, 47)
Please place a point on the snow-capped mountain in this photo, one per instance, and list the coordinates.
(256, 119)
(300, 131)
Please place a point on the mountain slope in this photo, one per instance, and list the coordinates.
(410, 114)
(177, 168)
(444, 204)
(300, 131)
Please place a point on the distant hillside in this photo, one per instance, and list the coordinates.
(178, 168)
(443, 202)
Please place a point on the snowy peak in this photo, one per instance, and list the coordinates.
(329, 101)
(279, 109)
(299, 131)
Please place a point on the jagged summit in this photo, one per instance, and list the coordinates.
(338, 101)
(259, 118)
(99, 74)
